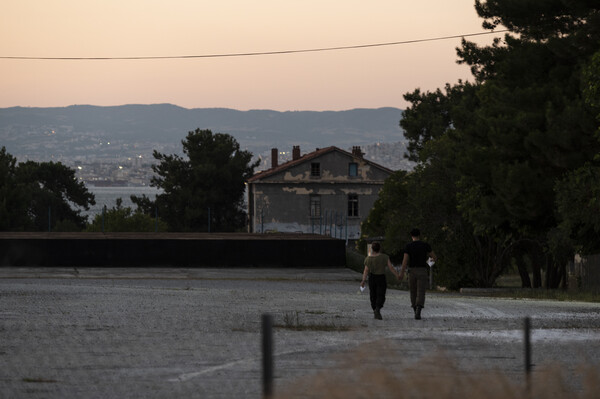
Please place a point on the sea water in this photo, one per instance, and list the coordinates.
(108, 196)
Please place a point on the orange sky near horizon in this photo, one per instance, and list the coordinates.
(332, 80)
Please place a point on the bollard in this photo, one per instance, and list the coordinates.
(267, 346)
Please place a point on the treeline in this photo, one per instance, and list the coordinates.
(508, 166)
(202, 191)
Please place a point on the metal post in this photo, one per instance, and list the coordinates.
(209, 219)
(320, 224)
(346, 223)
(332, 224)
(527, 339)
(103, 213)
(267, 347)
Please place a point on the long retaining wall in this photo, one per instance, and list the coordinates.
(170, 249)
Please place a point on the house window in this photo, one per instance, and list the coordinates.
(315, 206)
(353, 169)
(315, 169)
(353, 205)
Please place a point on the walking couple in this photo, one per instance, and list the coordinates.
(416, 255)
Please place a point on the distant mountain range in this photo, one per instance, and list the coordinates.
(86, 132)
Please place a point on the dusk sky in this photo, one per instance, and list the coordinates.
(326, 80)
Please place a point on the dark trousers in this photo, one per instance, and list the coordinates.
(418, 282)
(377, 288)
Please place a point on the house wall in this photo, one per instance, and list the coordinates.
(286, 208)
(281, 202)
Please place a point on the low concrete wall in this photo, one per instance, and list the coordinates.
(170, 249)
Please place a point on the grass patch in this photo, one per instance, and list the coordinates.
(318, 312)
(509, 281)
(39, 380)
(544, 294)
(291, 321)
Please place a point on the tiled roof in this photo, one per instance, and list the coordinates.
(305, 158)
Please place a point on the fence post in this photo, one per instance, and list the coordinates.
(209, 219)
(331, 224)
(156, 219)
(103, 213)
(527, 339)
(346, 223)
(267, 356)
(320, 223)
(333, 227)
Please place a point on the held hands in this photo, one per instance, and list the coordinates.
(399, 274)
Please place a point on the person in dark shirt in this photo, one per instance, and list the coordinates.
(416, 255)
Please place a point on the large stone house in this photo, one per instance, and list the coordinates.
(328, 191)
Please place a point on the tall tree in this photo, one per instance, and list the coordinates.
(533, 125)
(578, 193)
(37, 196)
(203, 190)
(13, 196)
(504, 141)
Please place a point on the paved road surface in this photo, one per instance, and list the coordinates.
(169, 333)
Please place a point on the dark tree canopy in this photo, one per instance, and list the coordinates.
(204, 189)
(504, 142)
(38, 196)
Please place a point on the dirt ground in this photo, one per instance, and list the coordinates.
(181, 333)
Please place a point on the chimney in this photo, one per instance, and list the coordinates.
(274, 162)
(357, 152)
(296, 152)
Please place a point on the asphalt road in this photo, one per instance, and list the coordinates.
(169, 333)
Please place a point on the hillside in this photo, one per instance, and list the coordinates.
(85, 132)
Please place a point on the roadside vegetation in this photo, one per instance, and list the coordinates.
(293, 321)
(508, 164)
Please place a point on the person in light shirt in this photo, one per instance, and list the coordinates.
(375, 265)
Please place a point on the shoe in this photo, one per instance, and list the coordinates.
(378, 314)
(418, 313)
